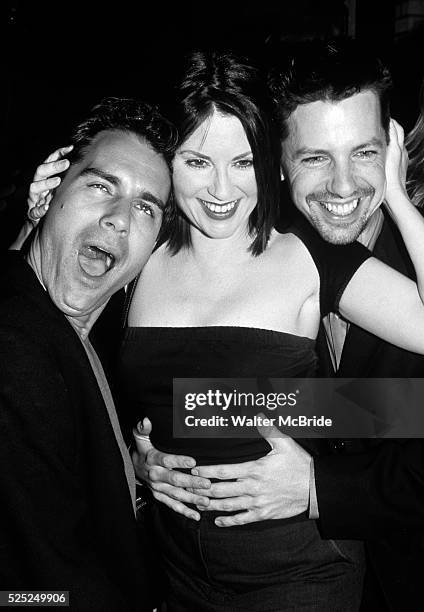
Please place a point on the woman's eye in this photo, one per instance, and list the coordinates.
(196, 163)
(244, 163)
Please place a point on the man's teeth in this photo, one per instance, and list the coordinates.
(109, 260)
(220, 208)
(101, 254)
(341, 210)
(95, 261)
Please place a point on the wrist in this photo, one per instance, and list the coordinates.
(396, 200)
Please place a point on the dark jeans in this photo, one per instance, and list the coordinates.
(271, 566)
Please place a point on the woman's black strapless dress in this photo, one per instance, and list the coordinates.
(151, 357)
(274, 564)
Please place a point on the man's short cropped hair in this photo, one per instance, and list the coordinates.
(327, 71)
(127, 115)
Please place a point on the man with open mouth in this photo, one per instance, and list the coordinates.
(67, 482)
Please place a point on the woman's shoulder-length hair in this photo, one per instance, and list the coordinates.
(223, 82)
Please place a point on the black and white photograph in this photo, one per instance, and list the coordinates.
(212, 306)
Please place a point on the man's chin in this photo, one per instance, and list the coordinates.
(339, 230)
(338, 234)
(81, 306)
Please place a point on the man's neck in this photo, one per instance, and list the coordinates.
(83, 324)
(371, 232)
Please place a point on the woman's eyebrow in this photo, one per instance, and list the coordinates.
(196, 153)
(242, 155)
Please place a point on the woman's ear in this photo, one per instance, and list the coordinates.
(281, 173)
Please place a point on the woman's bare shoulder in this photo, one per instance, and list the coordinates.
(288, 244)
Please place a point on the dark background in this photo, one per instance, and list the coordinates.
(59, 58)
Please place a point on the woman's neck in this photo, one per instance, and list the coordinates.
(213, 252)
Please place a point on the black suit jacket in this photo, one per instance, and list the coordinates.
(66, 517)
(374, 489)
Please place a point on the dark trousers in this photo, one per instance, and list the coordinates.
(271, 566)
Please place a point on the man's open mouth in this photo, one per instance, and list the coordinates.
(95, 261)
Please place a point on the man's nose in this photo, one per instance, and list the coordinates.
(342, 181)
(117, 216)
(221, 186)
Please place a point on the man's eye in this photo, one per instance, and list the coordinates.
(366, 154)
(196, 163)
(244, 163)
(100, 187)
(315, 160)
(147, 209)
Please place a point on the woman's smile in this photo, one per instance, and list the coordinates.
(219, 210)
(214, 177)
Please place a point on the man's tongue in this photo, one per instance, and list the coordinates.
(93, 261)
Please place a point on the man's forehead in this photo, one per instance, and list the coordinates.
(120, 146)
(125, 155)
(357, 116)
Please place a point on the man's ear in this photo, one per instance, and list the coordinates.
(282, 173)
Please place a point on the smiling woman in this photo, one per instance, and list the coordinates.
(214, 178)
(225, 295)
(215, 100)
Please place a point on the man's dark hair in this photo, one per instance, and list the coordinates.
(127, 115)
(232, 86)
(328, 71)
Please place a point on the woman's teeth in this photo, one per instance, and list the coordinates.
(219, 208)
(341, 210)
